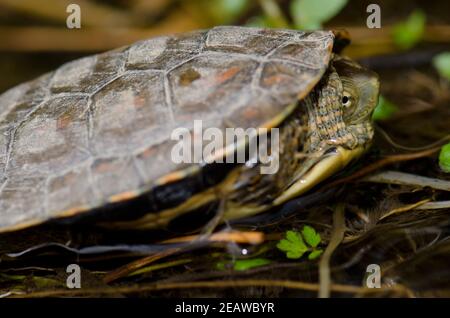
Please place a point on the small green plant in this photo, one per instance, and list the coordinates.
(294, 244)
(408, 33)
(244, 264)
(441, 63)
(444, 158)
(384, 110)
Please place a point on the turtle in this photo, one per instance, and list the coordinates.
(93, 140)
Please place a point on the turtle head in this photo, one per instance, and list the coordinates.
(360, 90)
(339, 123)
(341, 107)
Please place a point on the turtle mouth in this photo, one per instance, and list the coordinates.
(334, 160)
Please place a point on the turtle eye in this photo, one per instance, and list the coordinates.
(348, 104)
(346, 100)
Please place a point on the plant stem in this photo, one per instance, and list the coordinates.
(336, 238)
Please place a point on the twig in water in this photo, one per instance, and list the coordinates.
(396, 177)
(405, 208)
(381, 163)
(434, 205)
(134, 266)
(234, 236)
(388, 138)
(215, 284)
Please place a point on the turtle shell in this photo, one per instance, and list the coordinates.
(97, 130)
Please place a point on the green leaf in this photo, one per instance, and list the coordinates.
(315, 254)
(245, 264)
(310, 14)
(442, 64)
(226, 11)
(293, 245)
(294, 237)
(311, 236)
(384, 110)
(259, 22)
(444, 158)
(408, 33)
(233, 7)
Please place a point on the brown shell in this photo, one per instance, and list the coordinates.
(97, 129)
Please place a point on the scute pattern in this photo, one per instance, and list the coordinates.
(98, 128)
(51, 140)
(122, 119)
